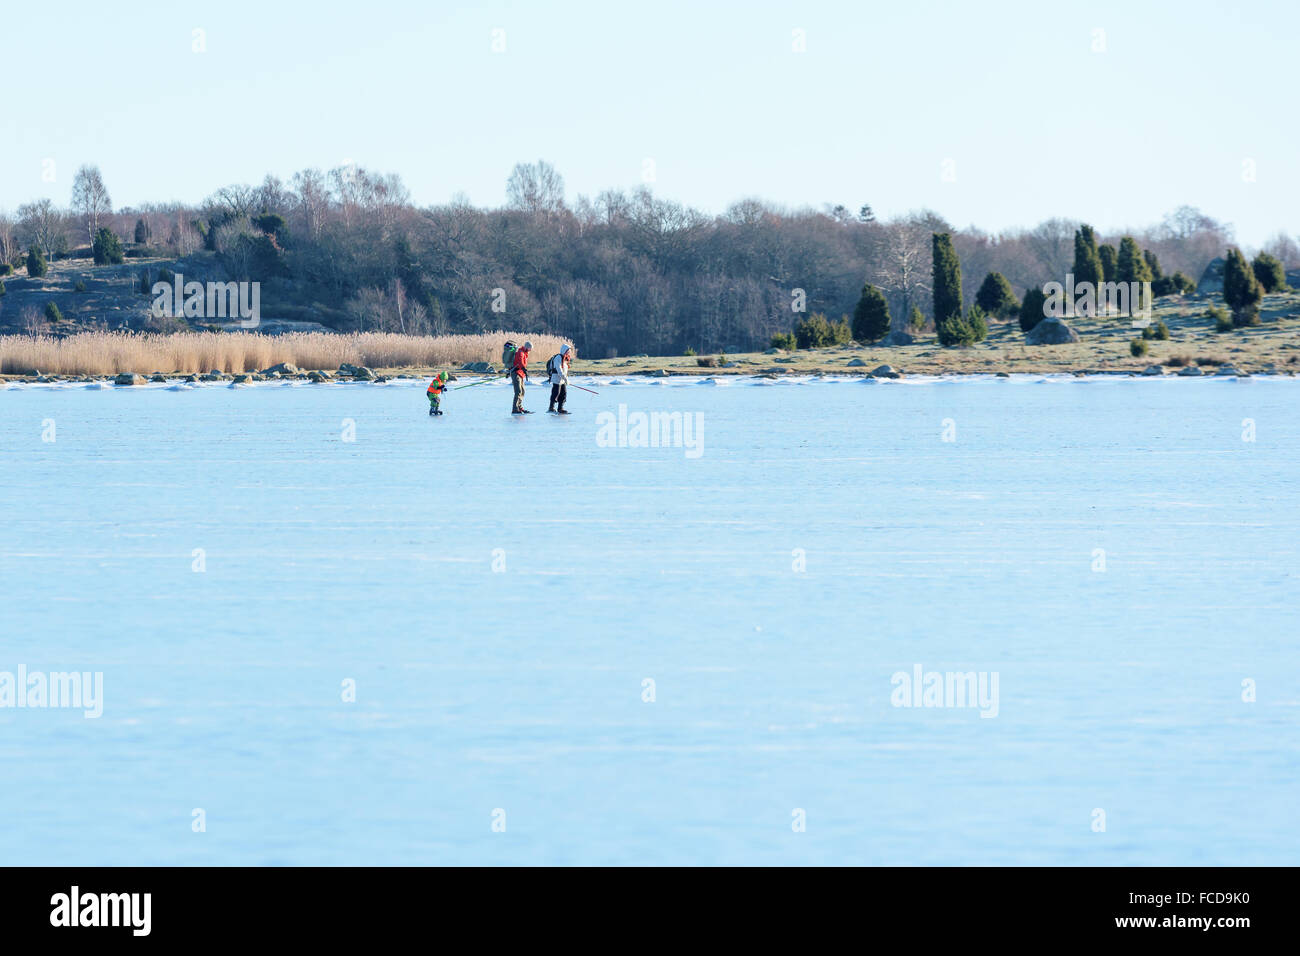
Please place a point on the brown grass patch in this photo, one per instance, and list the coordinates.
(108, 353)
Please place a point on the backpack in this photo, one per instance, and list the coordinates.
(508, 356)
(553, 364)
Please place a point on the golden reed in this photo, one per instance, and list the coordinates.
(108, 353)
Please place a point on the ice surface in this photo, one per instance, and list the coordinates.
(372, 560)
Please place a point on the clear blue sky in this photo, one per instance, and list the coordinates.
(1035, 123)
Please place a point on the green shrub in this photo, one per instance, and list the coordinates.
(79, 286)
(814, 332)
(1162, 331)
(841, 333)
(166, 275)
(1032, 309)
(1241, 290)
(1149, 332)
(36, 266)
(706, 361)
(270, 223)
(689, 352)
(2, 288)
(977, 319)
(1269, 272)
(996, 297)
(784, 341)
(915, 320)
(871, 316)
(107, 248)
(1223, 324)
(1138, 347)
(5, 268)
(52, 312)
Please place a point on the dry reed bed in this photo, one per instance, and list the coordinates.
(108, 353)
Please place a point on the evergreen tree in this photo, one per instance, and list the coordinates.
(996, 297)
(951, 328)
(1087, 261)
(977, 321)
(35, 263)
(1269, 271)
(1241, 290)
(1032, 308)
(1130, 266)
(141, 232)
(1109, 262)
(871, 317)
(1153, 264)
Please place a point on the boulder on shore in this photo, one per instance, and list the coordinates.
(1051, 332)
(886, 371)
(129, 378)
(856, 363)
(1190, 370)
(898, 337)
(283, 368)
(1154, 370)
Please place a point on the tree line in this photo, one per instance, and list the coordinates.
(625, 272)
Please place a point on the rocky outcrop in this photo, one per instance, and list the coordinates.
(897, 337)
(357, 372)
(1211, 281)
(1051, 332)
(886, 371)
(129, 378)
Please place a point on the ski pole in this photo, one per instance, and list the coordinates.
(593, 391)
(470, 385)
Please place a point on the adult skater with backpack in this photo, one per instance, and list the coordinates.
(558, 367)
(519, 376)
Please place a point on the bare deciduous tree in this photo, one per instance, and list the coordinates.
(536, 188)
(90, 198)
(41, 225)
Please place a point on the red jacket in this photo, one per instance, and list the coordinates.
(521, 363)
